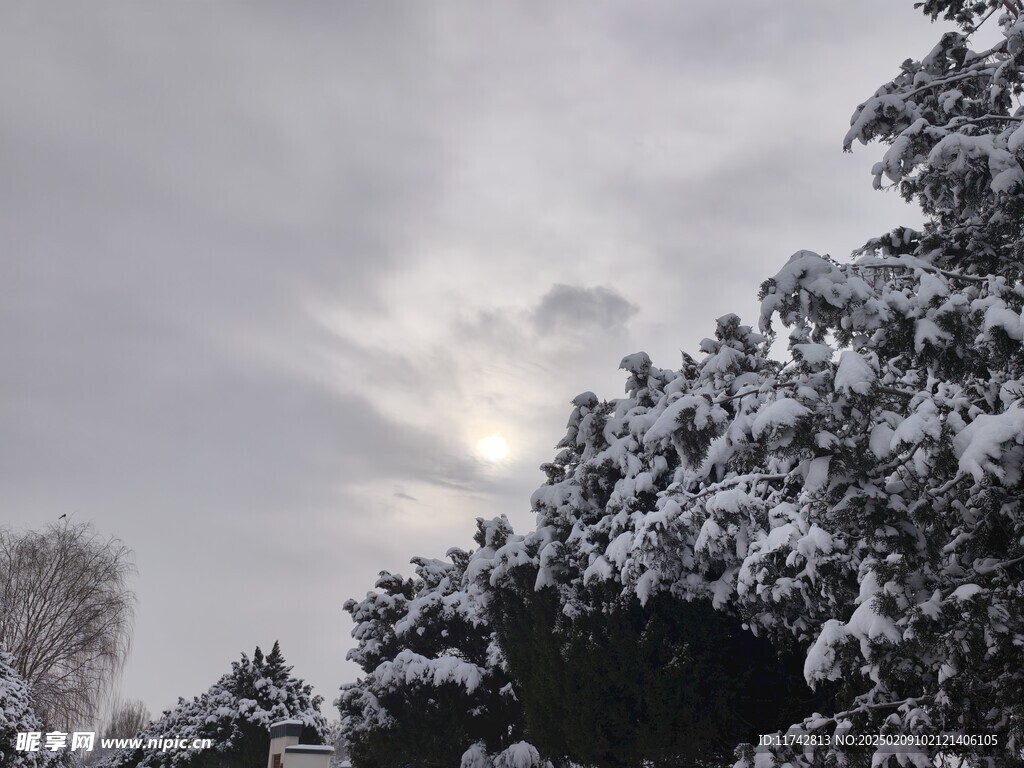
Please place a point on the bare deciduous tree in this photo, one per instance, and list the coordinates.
(128, 718)
(66, 614)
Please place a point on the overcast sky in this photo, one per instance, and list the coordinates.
(270, 272)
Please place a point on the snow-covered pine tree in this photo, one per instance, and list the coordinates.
(235, 714)
(938, 334)
(660, 684)
(861, 501)
(16, 714)
(663, 493)
(435, 683)
(467, 659)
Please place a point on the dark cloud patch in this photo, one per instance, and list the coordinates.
(574, 308)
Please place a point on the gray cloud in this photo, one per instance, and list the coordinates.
(574, 308)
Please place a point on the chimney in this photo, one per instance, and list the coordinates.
(286, 752)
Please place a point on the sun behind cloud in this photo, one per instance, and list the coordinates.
(492, 448)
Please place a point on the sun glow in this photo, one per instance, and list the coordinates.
(492, 447)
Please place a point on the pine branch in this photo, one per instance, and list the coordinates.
(984, 570)
(977, 26)
(908, 396)
(961, 120)
(945, 487)
(864, 709)
(752, 478)
(946, 81)
(925, 268)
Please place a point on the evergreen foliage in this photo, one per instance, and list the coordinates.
(16, 714)
(235, 714)
(662, 684)
(433, 683)
(458, 668)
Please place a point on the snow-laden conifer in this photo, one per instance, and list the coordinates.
(434, 682)
(16, 715)
(235, 714)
